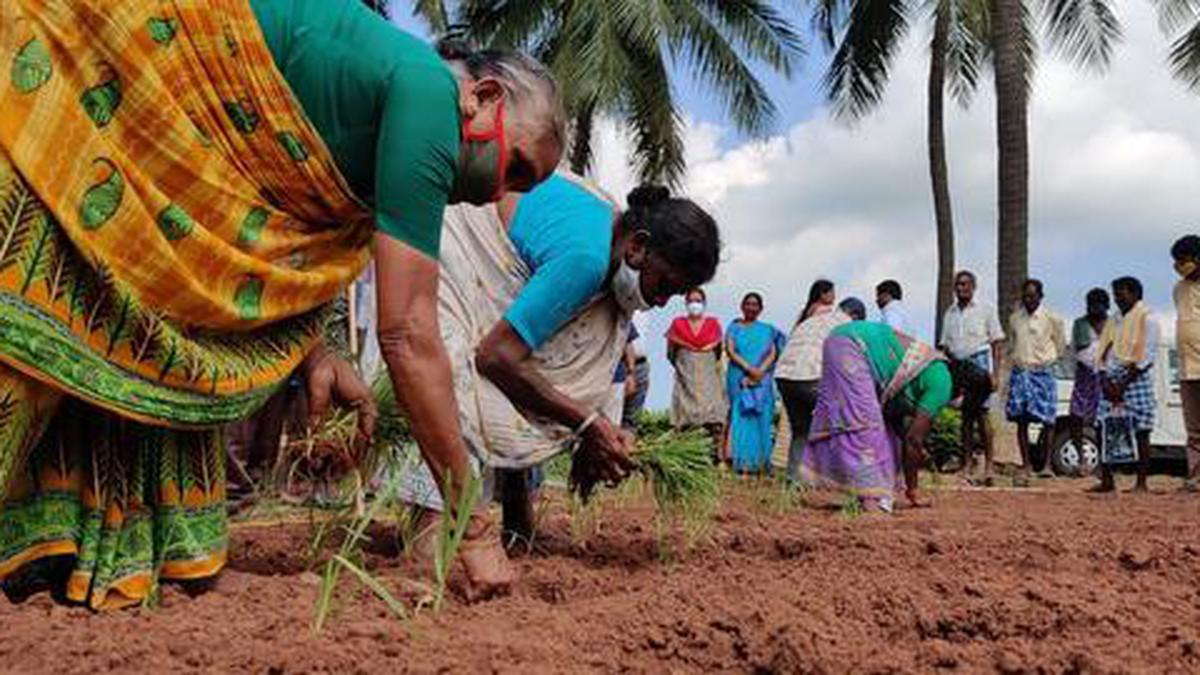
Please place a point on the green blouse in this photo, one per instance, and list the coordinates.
(929, 391)
(383, 101)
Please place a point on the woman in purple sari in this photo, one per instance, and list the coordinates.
(880, 391)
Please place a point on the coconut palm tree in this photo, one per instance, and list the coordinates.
(1085, 32)
(615, 57)
(1182, 17)
(967, 34)
(870, 36)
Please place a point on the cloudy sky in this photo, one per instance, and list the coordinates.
(1115, 178)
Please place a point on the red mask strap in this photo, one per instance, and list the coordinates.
(496, 134)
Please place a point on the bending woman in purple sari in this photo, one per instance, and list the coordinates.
(880, 391)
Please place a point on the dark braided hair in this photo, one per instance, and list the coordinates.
(680, 232)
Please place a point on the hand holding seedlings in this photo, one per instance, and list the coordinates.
(329, 377)
(604, 455)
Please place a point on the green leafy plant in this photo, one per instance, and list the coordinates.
(454, 528)
(851, 505)
(685, 485)
(944, 444)
(679, 469)
(778, 497)
(349, 558)
(332, 453)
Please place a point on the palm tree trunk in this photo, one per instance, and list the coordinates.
(939, 174)
(580, 158)
(1013, 145)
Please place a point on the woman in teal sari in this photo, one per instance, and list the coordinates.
(753, 347)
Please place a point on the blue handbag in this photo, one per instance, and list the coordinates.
(750, 401)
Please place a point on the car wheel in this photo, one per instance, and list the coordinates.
(1075, 460)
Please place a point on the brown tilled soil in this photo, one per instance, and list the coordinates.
(1047, 580)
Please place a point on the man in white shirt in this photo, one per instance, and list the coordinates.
(972, 338)
(889, 298)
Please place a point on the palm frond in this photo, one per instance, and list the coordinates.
(656, 125)
(510, 25)
(433, 12)
(859, 70)
(1176, 14)
(1185, 58)
(967, 38)
(716, 62)
(1085, 31)
(828, 20)
(758, 30)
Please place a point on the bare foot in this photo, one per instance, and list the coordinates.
(1139, 488)
(916, 501)
(489, 572)
(1102, 488)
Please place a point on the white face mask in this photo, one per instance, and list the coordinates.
(695, 308)
(627, 287)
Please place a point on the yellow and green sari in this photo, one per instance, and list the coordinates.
(171, 228)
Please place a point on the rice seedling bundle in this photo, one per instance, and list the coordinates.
(678, 467)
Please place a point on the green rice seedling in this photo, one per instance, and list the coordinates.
(349, 556)
(585, 518)
(782, 496)
(332, 451)
(454, 528)
(373, 584)
(558, 470)
(851, 505)
(681, 475)
(679, 470)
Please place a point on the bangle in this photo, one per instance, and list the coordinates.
(586, 424)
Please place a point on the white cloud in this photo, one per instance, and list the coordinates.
(1115, 169)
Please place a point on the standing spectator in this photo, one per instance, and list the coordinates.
(694, 349)
(1127, 349)
(972, 337)
(1186, 253)
(888, 297)
(799, 371)
(1085, 338)
(1037, 343)
(753, 347)
(638, 383)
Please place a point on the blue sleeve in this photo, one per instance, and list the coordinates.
(565, 234)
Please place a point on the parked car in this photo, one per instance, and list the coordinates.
(1168, 441)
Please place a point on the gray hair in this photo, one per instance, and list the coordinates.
(529, 85)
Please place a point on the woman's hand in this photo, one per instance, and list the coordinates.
(1113, 391)
(331, 378)
(605, 452)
